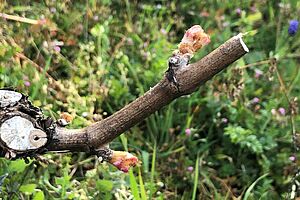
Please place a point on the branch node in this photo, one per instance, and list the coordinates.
(103, 154)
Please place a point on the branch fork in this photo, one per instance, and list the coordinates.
(26, 132)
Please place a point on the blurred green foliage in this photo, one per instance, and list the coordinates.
(230, 139)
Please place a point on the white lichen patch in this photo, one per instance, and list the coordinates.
(17, 132)
(9, 98)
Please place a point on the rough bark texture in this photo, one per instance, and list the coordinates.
(189, 79)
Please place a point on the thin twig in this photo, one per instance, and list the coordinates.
(293, 127)
(286, 93)
(40, 69)
(117, 47)
(224, 185)
(255, 64)
(20, 19)
(296, 77)
(292, 55)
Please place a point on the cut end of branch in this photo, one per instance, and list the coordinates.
(240, 37)
(24, 131)
(19, 134)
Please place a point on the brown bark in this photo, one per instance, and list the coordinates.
(164, 92)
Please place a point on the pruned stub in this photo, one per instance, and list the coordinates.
(24, 131)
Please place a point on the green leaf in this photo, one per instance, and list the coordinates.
(254, 17)
(145, 157)
(104, 185)
(28, 188)
(39, 196)
(142, 187)
(133, 186)
(2, 178)
(97, 30)
(248, 192)
(124, 141)
(152, 185)
(244, 137)
(91, 173)
(17, 166)
(196, 179)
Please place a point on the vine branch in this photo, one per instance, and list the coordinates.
(95, 137)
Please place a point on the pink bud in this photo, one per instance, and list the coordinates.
(188, 132)
(224, 120)
(281, 111)
(292, 158)
(56, 48)
(42, 21)
(238, 11)
(190, 168)
(163, 31)
(27, 83)
(255, 100)
(193, 39)
(123, 160)
(258, 73)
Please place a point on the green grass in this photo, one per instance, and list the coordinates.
(196, 177)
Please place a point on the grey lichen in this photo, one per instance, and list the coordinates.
(9, 98)
(24, 130)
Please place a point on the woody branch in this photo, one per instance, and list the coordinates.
(44, 136)
(163, 93)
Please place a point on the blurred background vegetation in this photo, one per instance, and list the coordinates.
(231, 139)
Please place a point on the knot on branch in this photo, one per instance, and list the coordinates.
(193, 40)
(103, 154)
(24, 131)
